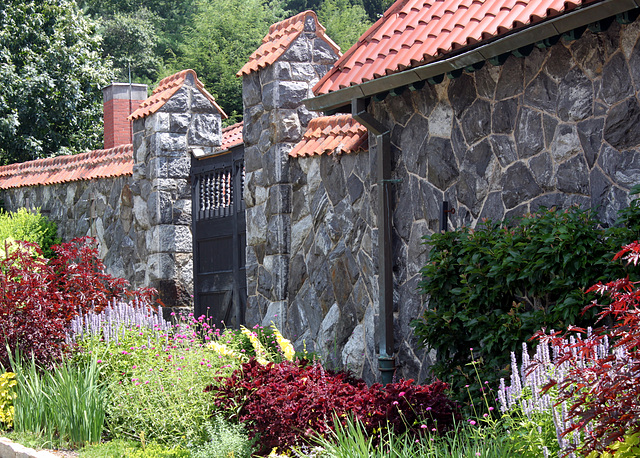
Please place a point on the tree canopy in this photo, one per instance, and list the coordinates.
(51, 74)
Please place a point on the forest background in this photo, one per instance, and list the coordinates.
(56, 55)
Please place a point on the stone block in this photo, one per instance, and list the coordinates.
(575, 99)
(168, 144)
(621, 125)
(278, 234)
(299, 51)
(566, 143)
(276, 315)
(179, 122)
(161, 266)
(205, 130)
(179, 102)
(200, 103)
(529, 135)
(157, 122)
(354, 351)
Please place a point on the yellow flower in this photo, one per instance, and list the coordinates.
(285, 344)
(223, 350)
(257, 346)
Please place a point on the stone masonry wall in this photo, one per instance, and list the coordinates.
(556, 128)
(101, 208)
(163, 143)
(274, 121)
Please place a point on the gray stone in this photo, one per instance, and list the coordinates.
(286, 125)
(511, 82)
(575, 99)
(621, 125)
(276, 315)
(549, 125)
(440, 121)
(486, 81)
(573, 176)
(299, 233)
(542, 93)
(622, 168)
(279, 200)
(290, 94)
(529, 135)
(169, 144)
(201, 104)
(179, 102)
(413, 144)
(462, 94)
(542, 169)
(476, 123)
(425, 100)
(278, 234)
(299, 51)
(606, 198)
(355, 187)
(205, 130)
(533, 64)
(458, 142)
(333, 179)
(442, 169)
(590, 134)
(518, 185)
(179, 122)
(354, 350)
(504, 116)
(493, 208)
(566, 143)
(616, 80)
(478, 158)
(634, 64)
(504, 149)
(401, 107)
(588, 52)
(323, 53)
(559, 61)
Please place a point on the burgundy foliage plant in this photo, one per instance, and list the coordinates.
(39, 297)
(603, 389)
(288, 403)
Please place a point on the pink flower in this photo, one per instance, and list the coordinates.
(423, 426)
(395, 403)
(402, 393)
(472, 422)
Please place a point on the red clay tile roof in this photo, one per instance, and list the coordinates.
(332, 135)
(412, 33)
(102, 163)
(232, 136)
(165, 90)
(278, 40)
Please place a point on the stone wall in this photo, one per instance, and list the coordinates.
(558, 127)
(163, 144)
(274, 121)
(101, 208)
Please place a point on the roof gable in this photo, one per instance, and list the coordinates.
(167, 88)
(412, 33)
(280, 37)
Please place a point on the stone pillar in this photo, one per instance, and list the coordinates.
(163, 143)
(274, 121)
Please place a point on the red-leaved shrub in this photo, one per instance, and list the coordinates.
(39, 296)
(287, 403)
(603, 390)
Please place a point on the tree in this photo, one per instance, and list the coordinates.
(223, 36)
(51, 72)
(130, 39)
(344, 22)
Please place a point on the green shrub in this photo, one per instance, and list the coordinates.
(492, 287)
(225, 440)
(154, 450)
(31, 226)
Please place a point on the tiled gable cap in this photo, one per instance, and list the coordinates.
(280, 37)
(338, 134)
(165, 90)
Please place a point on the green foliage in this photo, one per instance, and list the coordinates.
(130, 39)
(494, 286)
(67, 404)
(629, 447)
(223, 35)
(225, 440)
(345, 22)
(154, 450)
(117, 448)
(31, 226)
(51, 72)
(7, 395)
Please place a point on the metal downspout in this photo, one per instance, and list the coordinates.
(386, 362)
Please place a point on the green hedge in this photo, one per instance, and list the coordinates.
(490, 288)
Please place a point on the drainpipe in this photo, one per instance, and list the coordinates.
(386, 362)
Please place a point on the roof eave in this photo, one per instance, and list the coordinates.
(526, 36)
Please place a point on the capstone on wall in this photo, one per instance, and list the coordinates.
(556, 128)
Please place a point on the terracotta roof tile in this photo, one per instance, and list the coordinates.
(332, 134)
(102, 163)
(415, 32)
(279, 38)
(165, 90)
(232, 136)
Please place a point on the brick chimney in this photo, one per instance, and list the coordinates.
(120, 100)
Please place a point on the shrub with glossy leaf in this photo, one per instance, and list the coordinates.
(492, 287)
(288, 402)
(39, 297)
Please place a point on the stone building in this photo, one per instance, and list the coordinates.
(494, 108)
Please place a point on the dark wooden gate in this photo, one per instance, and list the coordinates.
(219, 237)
